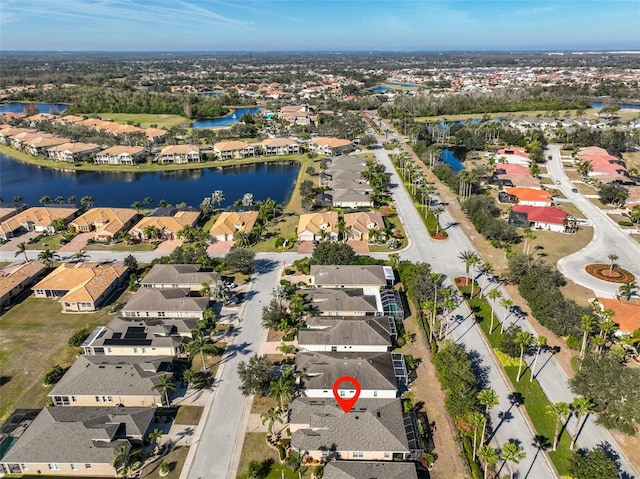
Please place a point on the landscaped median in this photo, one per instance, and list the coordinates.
(532, 396)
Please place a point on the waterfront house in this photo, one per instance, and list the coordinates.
(165, 303)
(180, 276)
(362, 225)
(106, 223)
(82, 287)
(226, 150)
(77, 442)
(348, 334)
(8, 132)
(155, 135)
(539, 217)
(376, 372)
(39, 219)
(280, 146)
(330, 146)
(351, 276)
(111, 380)
(16, 279)
(369, 469)
(7, 210)
(39, 146)
(120, 155)
(166, 222)
(374, 430)
(296, 114)
(72, 152)
(144, 337)
(229, 223)
(179, 154)
(322, 225)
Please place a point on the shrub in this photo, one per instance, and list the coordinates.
(78, 338)
(625, 223)
(54, 375)
(574, 342)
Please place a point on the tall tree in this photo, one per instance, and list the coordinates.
(489, 457)
(560, 412)
(22, 249)
(540, 342)
(612, 259)
(523, 339)
(203, 345)
(164, 385)
(507, 304)
(489, 399)
(512, 453)
(582, 407)
(47, 257)
(270, 418)
(217, 197)
(587, 324)
(493, 295)
(627, 289)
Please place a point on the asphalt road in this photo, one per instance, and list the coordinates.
(608, 237)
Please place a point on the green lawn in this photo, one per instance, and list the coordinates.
(535, 401)
(145, 120)
(256, 449)
(189, 415)
(120, 247)
(46, 242)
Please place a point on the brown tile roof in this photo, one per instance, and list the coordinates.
(179, 149)
(74, 147)
(313, 222)
(15, 276)
(230, 222)
(231, 145)
(172, 224)
(331, 142)
(104, 220)
(120, 149)
(39, 215)
(278, 142)
(364, 220)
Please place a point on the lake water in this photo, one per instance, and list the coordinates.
(15, 107)
(226, 120)
(454, 157)
(380, 89)
(622, 106)
(263, 180)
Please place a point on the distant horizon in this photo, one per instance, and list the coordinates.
(319, 25)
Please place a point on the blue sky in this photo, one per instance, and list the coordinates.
(318, 25)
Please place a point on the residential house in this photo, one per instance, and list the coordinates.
(129, 381)
(166, 221)
(633, 199)
(7, 134)
(510, 180)
(120, 155)
(180, 276)
(626, 314)
(82, 287)
(39, 146)
(155, 135)
(296, 114)
(72, 152)
(280, 146)
(77, 442)
(165, 303)
(322, 225)
(350, 198)
(374, 430)
(227, 150)
(369, 469)
(513, 155)
(508, 169)
(348, 334)
(376, 373)
(344, 178)
(230, 222)
(351, 276)
(145, 337)
(179, 154)
(354, 302)
(525, 196)
(363, 225)
(330, 146)
(539, 217)
(39, 219)
(16, 279)
(7, 210)
(106, 223)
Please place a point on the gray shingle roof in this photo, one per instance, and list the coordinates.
(322, 370)
(178, 274)
(330, 275)
(113, 376)
(328, 300)
(169, 300)
(373, 425)
(370, 331)
(369, 470)
(139, 332)
(79, 434)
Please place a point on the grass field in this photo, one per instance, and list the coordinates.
(189, 415)
(590, 113)
(145, 120)
(34, 338)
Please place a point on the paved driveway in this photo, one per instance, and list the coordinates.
(77, 243)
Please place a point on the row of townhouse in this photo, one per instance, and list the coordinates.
(375, 436)
(347, 188)
(110, 396)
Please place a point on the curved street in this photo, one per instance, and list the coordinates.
(608, 237)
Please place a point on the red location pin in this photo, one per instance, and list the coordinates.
(346, 403)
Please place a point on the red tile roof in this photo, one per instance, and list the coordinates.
(542, 214)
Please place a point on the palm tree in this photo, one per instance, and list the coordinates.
(288, 350)
(489, 399)
(560, 411)
(587, 324)
(494, 294)
(18, 199)
(122, 459)
(247, 199)
(217, 197)
(22, 249)
(150, 232)
(487, 270)
(507, 304)
(80, 256)
(147, 201)
(137, 205)
(540, 342)
(47, 257)
(612, 258)
(164, 385)
(153, 437)
(489, 456)
(437, 210)
(467, 258)
(87, 201)
(582, 407)
(627, 289)
(512, 453)
(528, 237)
(188, 376)
(202, 345)
(206, 290)
(476, 419)
(297, 306)
(282, 389)
(523, 339)
(393, 260)
(271, 417)
(242, 238)
(45, 199)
